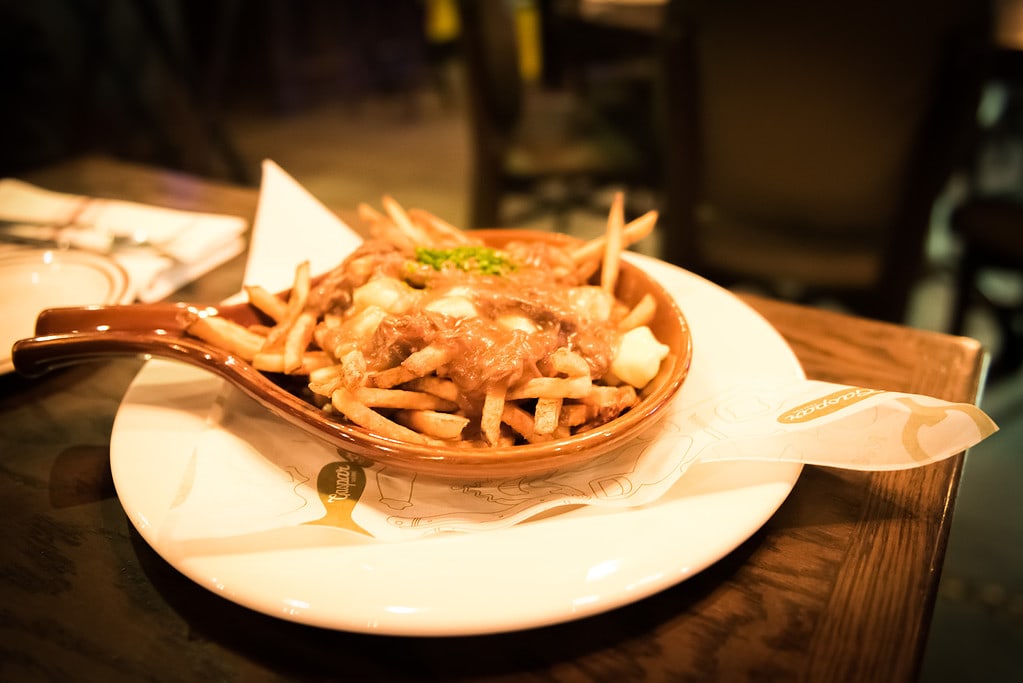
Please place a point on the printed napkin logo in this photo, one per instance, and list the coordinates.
(340, 485)
(923, 417)
(827, 405)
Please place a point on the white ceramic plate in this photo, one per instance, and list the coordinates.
(34, 279)
(552, 569)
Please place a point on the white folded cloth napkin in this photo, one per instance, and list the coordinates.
(161, 249)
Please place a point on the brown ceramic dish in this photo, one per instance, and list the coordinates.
(73, 335)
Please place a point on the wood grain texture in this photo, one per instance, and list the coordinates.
(882, 598)
(837, 586)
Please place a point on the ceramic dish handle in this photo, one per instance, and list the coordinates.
(39, 355)
(170, 318)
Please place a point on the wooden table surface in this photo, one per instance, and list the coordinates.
(838, 585)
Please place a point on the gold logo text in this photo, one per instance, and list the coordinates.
(826, 405)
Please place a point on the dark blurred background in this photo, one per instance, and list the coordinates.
(867, 157)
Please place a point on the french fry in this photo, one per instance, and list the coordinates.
(391, 377)
(633, 232)
(551, 387)
(446, 426)
(427, 359)
(297, 341)
(438, 227)
(493, 409)
(575, 414)
(227, 335)
(640, 314)
(383, 228)
(348, 405)
(546, 415)
(401, 219)
(522, 423)
(418, 364)
(309, 362)
(264, 300)
(519, 420)
(586, 269)
(349, 371)
(375, 397)
(324, 381)
(299, 290)
(352, 369)
(369, 215)
(569, 363)
(609, 402)
(438, 386)
(277, 338)
(613, 244)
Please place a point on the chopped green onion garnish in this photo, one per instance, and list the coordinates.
(482, 259)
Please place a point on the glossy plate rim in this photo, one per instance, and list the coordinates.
(560, 567)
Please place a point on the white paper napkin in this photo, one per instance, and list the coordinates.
(292, 226)
(171, 247)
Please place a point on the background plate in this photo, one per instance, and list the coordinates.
(34, 279)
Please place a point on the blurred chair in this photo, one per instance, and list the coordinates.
(185, 119)
(112, 77)
(988, 222)
(806, 141)
(547, 146)
(990, 230)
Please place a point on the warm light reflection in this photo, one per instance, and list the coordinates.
(401, 609)
(294, 606)
(602, 570)
(651, 579)
(584, 601)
